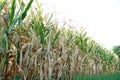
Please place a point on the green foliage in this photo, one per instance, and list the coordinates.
(56, 37)
(12, 11)
(36, 48)
(20, 14)
(24, 14)
(113, 76)
(116, 49)
(2, 3)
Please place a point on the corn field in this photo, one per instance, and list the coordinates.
(34, 47)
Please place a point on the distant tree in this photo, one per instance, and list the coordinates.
(116, 49)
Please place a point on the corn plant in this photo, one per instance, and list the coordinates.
(10, 18)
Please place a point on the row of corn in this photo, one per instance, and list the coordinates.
(34, 47)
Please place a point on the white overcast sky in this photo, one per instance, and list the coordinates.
(101, 18)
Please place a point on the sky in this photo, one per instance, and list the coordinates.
(100, 18)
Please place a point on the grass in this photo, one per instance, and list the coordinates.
(113, 76)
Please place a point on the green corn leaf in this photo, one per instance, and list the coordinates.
(26, 9)
(16, 18)
(90, 49)
(13, 25)
(2, 3)
(12, 11)
(46, 32)
(56, 37)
